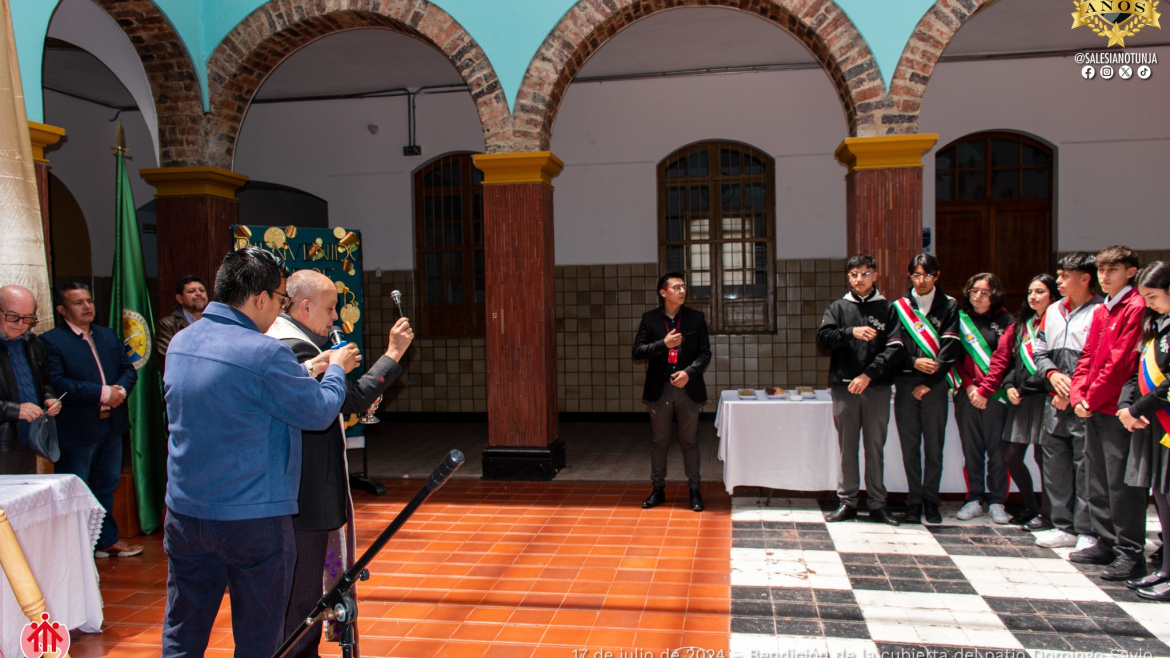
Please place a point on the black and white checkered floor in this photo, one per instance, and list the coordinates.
(803, 588)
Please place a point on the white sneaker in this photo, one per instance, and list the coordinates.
(1085, 541)
(999, 514)
(969, 511)
(1055, 538)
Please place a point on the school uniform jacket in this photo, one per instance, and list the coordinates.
(1110, 356)
(943, 315)
(852, 356)
(992, 326)
(1059, 344)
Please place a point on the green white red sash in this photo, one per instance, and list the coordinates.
(1150, 376)
(977, 349)
(923, 333)
(1027, 345)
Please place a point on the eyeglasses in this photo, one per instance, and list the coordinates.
(678, 287)
(922, 277)
(860, 275)
(980, 293)
(30, 320)
(283, 302)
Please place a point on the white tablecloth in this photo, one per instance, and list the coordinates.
(785, 444)
(56, 520)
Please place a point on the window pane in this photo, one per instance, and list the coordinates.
(674, 259)
(431, 209)
(434, 291)
(480, 294)
(699, 164)
(754, 196)
(675, 198)
(674, 228)
(728, 162)
(730, 199)
(677, 169)
(431, 235)
(700, 229)
(476, 176)
(1037, 184)
(970, 155)
(761, 226)
(452, 207)
(1005, 153)
(972, 185)
(453, 263)
(761, 256)
(1005, 184)
(454, 290)
(477, 207)
(945, 159)
(700, 199)
(734, 228)
(752, 165)
(477, 234)
(431, 266)
(759, 286)
(700, 256)
(479, 263)
(453, 234)
(944, 186)
(1034, 157)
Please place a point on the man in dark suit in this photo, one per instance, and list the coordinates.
(673, 339)
(25, 391)
(87, 362)
(323, 502)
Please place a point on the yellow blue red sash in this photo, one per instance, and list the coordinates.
(1150, 376)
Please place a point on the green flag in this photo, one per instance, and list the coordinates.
(132, 320)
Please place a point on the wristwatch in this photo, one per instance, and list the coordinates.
(309, 367)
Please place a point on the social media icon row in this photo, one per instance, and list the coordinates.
(1124, 72)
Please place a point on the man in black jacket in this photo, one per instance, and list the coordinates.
(673, 339)
(25, 391)
(928, 326)
(324, 503)
(856, 329)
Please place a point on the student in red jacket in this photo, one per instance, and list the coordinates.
(1110, 358)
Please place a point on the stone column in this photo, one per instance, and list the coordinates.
(43, 135)
(884, 202)
(194, 206)
(521, 342)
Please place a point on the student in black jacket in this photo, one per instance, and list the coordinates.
(856, 330)
(927, 354)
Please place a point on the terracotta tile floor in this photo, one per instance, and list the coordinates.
(515, 569)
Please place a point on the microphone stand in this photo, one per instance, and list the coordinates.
(339, 603)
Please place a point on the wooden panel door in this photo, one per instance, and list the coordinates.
(962, 247)
(1021, 243)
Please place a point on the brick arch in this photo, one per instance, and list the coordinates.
(178, 100)
(278, 28)
(820, 25)
(926, 45)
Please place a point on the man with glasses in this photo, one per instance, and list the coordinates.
(89, 363)
(673, 340)
(25, 391)
(928, 328)
(856, 330)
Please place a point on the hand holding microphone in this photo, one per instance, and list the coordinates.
(347, 357)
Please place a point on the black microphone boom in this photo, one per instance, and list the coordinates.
(339, 600)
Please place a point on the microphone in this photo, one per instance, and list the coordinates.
(335, 338)
(444, 471)
(397, 297)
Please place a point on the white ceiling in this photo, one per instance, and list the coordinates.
(681, 39)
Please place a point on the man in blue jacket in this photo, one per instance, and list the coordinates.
(237, 401)
(88, 362)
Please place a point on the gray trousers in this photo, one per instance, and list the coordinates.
(981, 431)
(1117, 510)
(1066, 480)
(922, 427)
(674, 403)
(856, 416)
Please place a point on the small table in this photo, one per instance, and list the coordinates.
(56, 520)
(792, 445)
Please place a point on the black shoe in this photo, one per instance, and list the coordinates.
(1156, 578)
(1024, 516)
(1124, 568)
(1037, 523)
(1159, 592)
(842, 513)
(880, 515)
(1156, 557)
(930, 513)
(1095, 554)
(697, 504)
(656, 498)
(913, 514)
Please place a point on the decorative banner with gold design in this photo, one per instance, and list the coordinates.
(335, 252)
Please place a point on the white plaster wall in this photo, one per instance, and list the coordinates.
(612, 136)
(326, 149)
(1111, 141)
(84, 162)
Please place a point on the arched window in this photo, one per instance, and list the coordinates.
(993, 209)
(716, 224)
(448, 230)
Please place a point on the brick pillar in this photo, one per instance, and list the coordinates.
(194, 207)
(521, 316)
(43, 135)
(884, 202)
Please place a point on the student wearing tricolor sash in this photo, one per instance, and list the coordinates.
(983, 322)
(928, 328)
(1116, 509)
(856, 329)
(1148, 416)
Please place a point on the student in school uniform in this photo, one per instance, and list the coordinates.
(928, 328)
(1059, 343)
(981, 408)
(856, 330)
(1116, 509)
(1148, 416)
